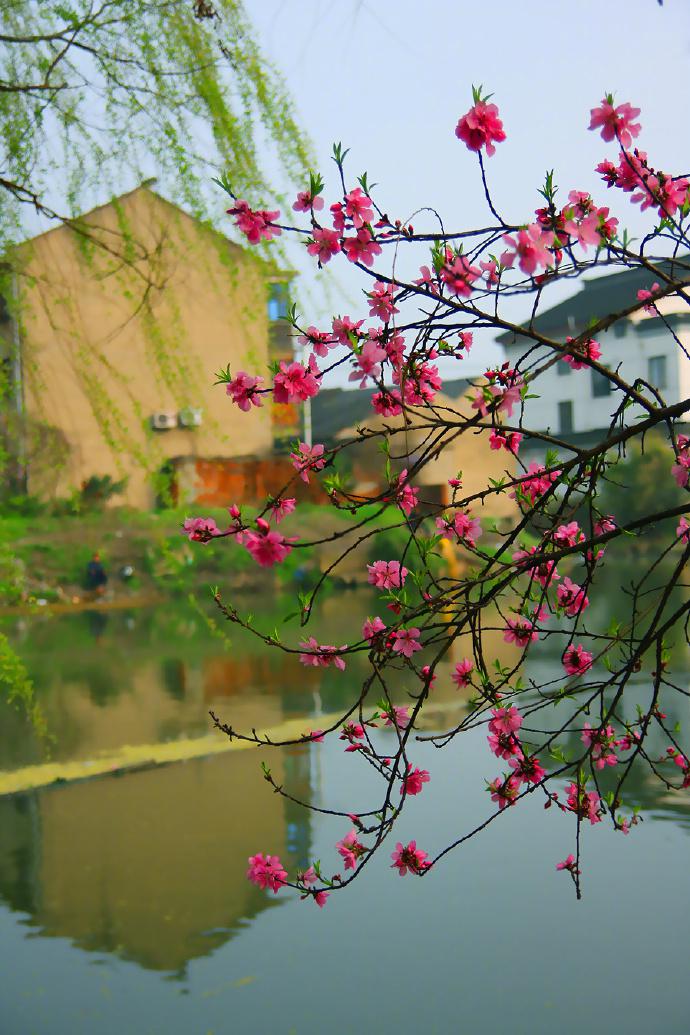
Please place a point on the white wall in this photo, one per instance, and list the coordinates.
(629, 354)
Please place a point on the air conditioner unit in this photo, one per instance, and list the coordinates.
(163, 421)
(190, 417)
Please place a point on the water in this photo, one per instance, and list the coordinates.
(123, 901)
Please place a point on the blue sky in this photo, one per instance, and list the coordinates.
(391, 78)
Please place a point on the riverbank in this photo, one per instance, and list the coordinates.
(43, 559)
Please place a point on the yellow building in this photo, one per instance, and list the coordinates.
(113, 334)
(460, 448)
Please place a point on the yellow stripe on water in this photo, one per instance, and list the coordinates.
(142, 756)
(133, 757)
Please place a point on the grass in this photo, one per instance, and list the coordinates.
(46, 556)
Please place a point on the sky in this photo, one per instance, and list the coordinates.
(390, 79)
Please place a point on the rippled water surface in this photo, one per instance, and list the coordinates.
(123, 902)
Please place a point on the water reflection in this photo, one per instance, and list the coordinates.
(149, 867)
(146, 866)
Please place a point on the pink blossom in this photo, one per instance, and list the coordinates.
(505, 720)
(266, 871)
(280, 508)
(316, 736)
(646, 296)
(372, 627)
(321, 341)
(660, 189)
(615, 122)
(245, 390)
(294, 381)
(427, 279)
(409, 857)
(352, 732)
(581, 351)
(387, 402)
(324, 244)
(602, 742)
(568, 864)
(543, 570)
(367, 363)
(586, 805)
(406, 641)
(568, 534)
(309, 877)
(504, 745)
(585, 228)
(381, 301)
(406, 496)
(458, 274)
(427, 676)
(255, 225)
(576, 660)
(362, 248)
(358, 208)
(627, 741)
(527, 769)
(414, 780)
(571, 597)
(681, 470)
(305, 202)
(520, 631)
(420, 383)
(200, 530)
(394, 344)
(491, 271)
(308, 458)
(604, 525)
(387, 574)
(397, 715)
(321, 655)
(338, 214)
(683, 530)
(350, 849)
(461, 526)
(481, 127)
(504, 792)
(537, 482)
(508, 440)
(267, 547)
(345, 330)
(531, 247)
(461, 674)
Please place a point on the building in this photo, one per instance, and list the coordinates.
(337, 415)
(577, 405)
(111, 336)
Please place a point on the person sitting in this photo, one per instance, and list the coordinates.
(96, 578)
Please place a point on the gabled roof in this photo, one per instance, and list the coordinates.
(599, 296)
(336, 408)
(146, 187)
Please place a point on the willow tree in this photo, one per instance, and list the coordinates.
(91, 94)
(94, 97)
(97, 94)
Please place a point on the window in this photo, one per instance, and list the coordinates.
(565, 417)
(656, 371)
(278, 301)
(600, 384)
(563, 368)
(619, 329)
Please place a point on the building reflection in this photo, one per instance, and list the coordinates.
(151, 866)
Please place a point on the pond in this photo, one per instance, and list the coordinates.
(123, 900)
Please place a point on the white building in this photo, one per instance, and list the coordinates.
(576, 405)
